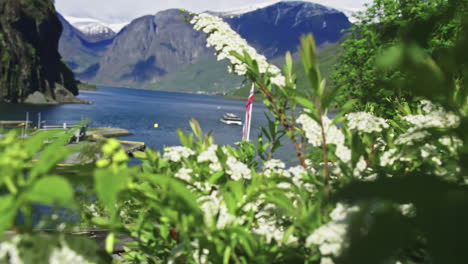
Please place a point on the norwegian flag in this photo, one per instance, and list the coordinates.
(248, 115)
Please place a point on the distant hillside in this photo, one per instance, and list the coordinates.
(164, 52)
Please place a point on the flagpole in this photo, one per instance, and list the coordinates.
(248, 115)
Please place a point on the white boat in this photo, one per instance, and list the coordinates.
(231, 119)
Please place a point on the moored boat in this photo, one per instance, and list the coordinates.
(231, 119)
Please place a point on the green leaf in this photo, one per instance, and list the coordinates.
(52, 190)
(184, 140)
(307, 103)
(8, 212)
(110, 243)
(108, 185)
(309, 62)
(227, 255)
(196, 128)
(52, 155)
(215, 177)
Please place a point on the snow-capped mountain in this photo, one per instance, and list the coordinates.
(95, 30)
(153, 48)
(343, 7)
(248, 8)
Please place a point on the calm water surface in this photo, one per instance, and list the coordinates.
(138, 111)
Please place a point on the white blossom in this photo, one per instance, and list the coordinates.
(411, 136)
(388, 158)
(274, 166)
(9, 250)
(331, 237)
(225, 40)
(268, 228)
(237, 170)
(215, 211)
(366, 123)
(361, 166)
(407, 209)
(434, 117)
(177, 153)
(66, 255)
(209, 155)
(333, 134)
(184, 174)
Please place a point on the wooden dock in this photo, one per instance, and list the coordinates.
(132, 146)
(107, 132)
(14, 124)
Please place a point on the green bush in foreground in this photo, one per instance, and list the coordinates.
(363, 189)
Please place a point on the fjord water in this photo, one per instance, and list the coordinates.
(138, 111)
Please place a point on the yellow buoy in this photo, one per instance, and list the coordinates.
(156, 125)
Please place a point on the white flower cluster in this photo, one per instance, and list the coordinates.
(407, 209)
(177, 153)
(184, 174)
(66, 255)
(225, 40)
(237, 170)
(452, 143)
(333, 135)
(411, 136)
(215, 211)
(274, 166)
(268, 228)
(209, 155)
(9, 251)
(200, 255)
(388, 158)
(366, 123)
(434, 117)
(361, 166)
(331, 238)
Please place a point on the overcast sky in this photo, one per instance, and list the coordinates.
(115, 11)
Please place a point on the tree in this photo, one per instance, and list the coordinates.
(383, 25)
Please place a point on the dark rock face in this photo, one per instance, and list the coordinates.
(276, 29)
(30, 61)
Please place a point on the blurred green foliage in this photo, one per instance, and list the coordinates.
(433, 25)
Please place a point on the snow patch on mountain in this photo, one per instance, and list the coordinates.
(93, 26)
(348, 11)
(248, 8)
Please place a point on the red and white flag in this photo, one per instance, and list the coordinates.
(248, 115)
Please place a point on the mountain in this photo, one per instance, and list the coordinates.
(149, 48)
(164, 52)
(31, 68)
(94, 30)
(277, 28)
(79, 51)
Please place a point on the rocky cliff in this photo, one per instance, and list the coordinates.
(30, 62)
(149, 48)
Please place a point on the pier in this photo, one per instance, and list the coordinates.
(14, 124)
(84, 136)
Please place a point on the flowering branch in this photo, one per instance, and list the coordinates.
(229, 45)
